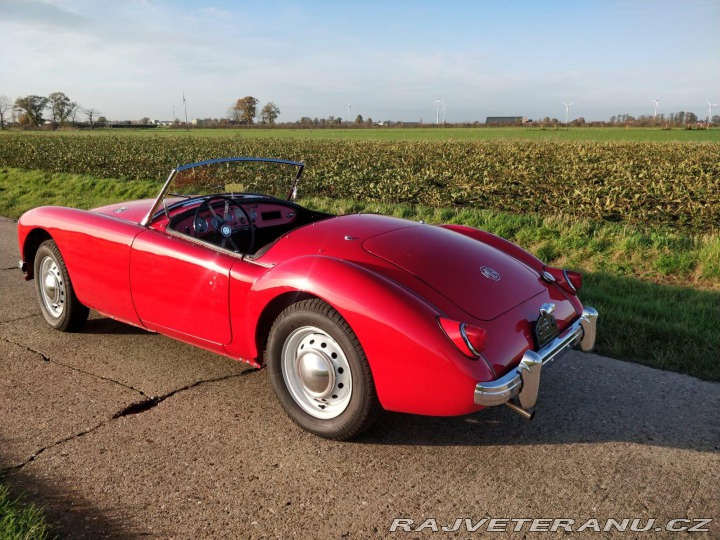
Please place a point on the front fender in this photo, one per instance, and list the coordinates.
(415, 366)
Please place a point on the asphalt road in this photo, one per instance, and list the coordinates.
(121, 433)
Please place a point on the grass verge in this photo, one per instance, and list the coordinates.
(19, 521)
(657, 290)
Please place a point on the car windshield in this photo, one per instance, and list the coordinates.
(276, 178)
(234, 176)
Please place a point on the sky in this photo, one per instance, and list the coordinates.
(389, 59)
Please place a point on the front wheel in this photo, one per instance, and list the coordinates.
(59, 305)
(319, 371)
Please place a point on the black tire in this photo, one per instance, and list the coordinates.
(58, 303)
(320, 373)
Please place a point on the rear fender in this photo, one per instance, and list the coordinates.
(415, 366)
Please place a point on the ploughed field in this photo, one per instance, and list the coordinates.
(657, 184)
(640, 219)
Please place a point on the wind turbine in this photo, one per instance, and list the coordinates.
(567, 111)
(657, 102)
(349, 107)
(710, 108)
(437, 104)
(443, 110)
(185, 107)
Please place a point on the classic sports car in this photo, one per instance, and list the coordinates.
(351, 314)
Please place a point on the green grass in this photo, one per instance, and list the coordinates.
(599, 134)
(22, 190)
(657, 290)
(19, 521)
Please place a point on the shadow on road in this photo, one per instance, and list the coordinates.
(108, 326)
(587, 399)
(66, 511)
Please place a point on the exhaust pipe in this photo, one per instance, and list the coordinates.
(527, 414)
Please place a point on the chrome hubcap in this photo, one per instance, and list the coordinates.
(316, 372)
(52, 288)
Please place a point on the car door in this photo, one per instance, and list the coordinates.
(181, 288)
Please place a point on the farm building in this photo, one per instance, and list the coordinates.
(505, 120)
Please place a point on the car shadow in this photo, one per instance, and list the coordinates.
(106, 326)
(584, 398)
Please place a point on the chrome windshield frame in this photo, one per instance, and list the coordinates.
(293, 190)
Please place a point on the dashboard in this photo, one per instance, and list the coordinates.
(261, 215)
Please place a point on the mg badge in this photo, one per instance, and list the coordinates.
(490, 273)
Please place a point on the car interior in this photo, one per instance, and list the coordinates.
(247, 224)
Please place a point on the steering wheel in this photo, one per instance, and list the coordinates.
(220, 223)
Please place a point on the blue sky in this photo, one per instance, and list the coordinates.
(389, 59)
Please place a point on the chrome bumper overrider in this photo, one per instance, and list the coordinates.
(524, 380)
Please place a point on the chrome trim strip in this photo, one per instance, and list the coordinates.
(146, 220)
(524, 380)
(569, 282)
(467, 340)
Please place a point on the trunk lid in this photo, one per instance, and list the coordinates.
(481, 280)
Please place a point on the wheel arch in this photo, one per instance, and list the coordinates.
(31, 244)
(408, 353)
(270, 312)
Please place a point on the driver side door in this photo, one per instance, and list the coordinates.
(181, 288)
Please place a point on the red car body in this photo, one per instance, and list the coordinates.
(393, 281)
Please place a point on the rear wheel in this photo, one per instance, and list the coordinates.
(58, 303)
(319, 371)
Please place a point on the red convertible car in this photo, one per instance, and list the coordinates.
(351, 314)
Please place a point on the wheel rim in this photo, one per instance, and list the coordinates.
(316, 372)
(52, 287)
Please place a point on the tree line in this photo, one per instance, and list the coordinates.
(30, 111)
(244, 111)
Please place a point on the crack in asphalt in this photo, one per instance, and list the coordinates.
(147, 404)
(46, 358)
(137, 407)
(19, 319)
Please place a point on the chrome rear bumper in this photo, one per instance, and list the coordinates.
(524, 380)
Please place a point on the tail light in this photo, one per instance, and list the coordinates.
(567, 279)
(471, 340)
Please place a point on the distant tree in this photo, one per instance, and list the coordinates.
(369, 122)
(75, 110)
(716, 119)
(306, 121)
(691, 118)
(33, 107)
(5, 106)
(102, 121)
(144, 121)
(269, 113)
(60, 107)
(91, 114)
(244, 110)
(359, 120)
